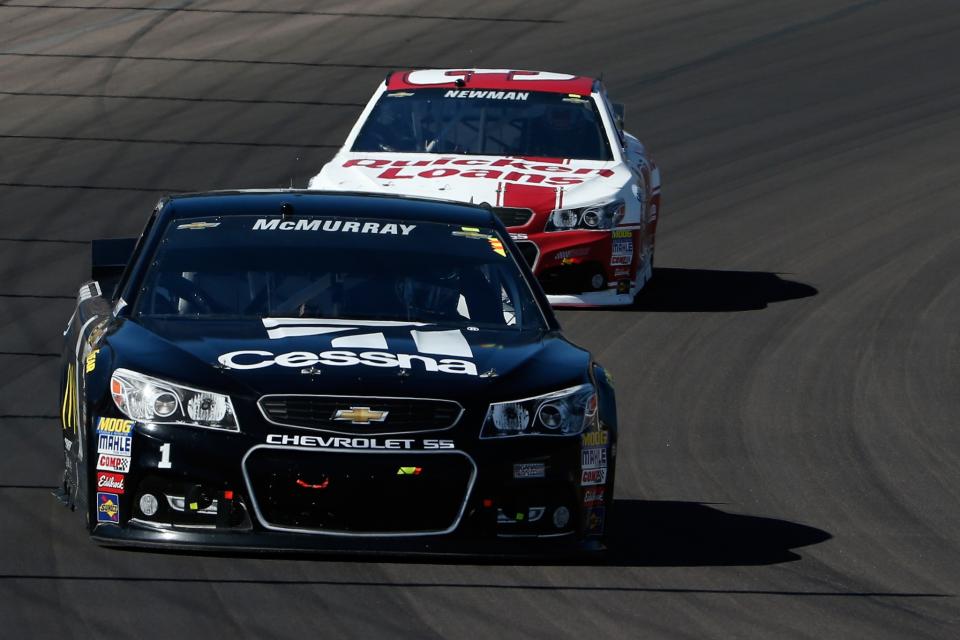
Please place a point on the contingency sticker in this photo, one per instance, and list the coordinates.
(108, 507)
(109, 462)
(590, 477)
(107, 481)
(621, 252)
(593, 458)
(119, 426)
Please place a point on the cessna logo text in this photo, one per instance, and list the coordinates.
(256, 359)
(263, 224)
(361, 349)
(332, 442)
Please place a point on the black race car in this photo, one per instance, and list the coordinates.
(301, 370)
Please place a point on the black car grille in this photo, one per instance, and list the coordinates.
(352, 492)
(403, 415)
(529, 251)
(511, 217)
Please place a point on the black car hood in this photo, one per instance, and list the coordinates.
(257, 357)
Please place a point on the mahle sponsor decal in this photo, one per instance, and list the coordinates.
(113, 443)
(335, 442)
(593, 458)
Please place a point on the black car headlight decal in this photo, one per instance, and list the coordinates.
(147, 399)
(561, 413)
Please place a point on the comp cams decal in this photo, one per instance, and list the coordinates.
(333, 442)
(110, 462)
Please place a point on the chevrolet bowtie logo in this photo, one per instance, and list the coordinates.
(360, 415)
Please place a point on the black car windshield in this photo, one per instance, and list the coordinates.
(482, 122)
(331, 267)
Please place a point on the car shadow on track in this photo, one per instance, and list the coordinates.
(639, 533)
(679, 290)
(669, 533)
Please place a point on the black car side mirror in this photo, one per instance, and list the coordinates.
(108, 260)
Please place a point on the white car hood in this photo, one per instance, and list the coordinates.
(498, 181)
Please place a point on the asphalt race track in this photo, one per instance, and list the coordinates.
(790, 449)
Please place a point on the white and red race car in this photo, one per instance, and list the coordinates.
(546, 151)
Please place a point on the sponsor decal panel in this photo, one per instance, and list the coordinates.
(334, 442)
(524, 470)
(113, 443)
(118, 426)
(108, 507)
(593, 458)
(595, 438)
(107, 481)
(593, 496)
(111, 462)
(621, 252)
(590, 477)
(594, 519)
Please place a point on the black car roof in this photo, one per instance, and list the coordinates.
(312, 203)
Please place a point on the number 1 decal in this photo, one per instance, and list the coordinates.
(165, 456)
